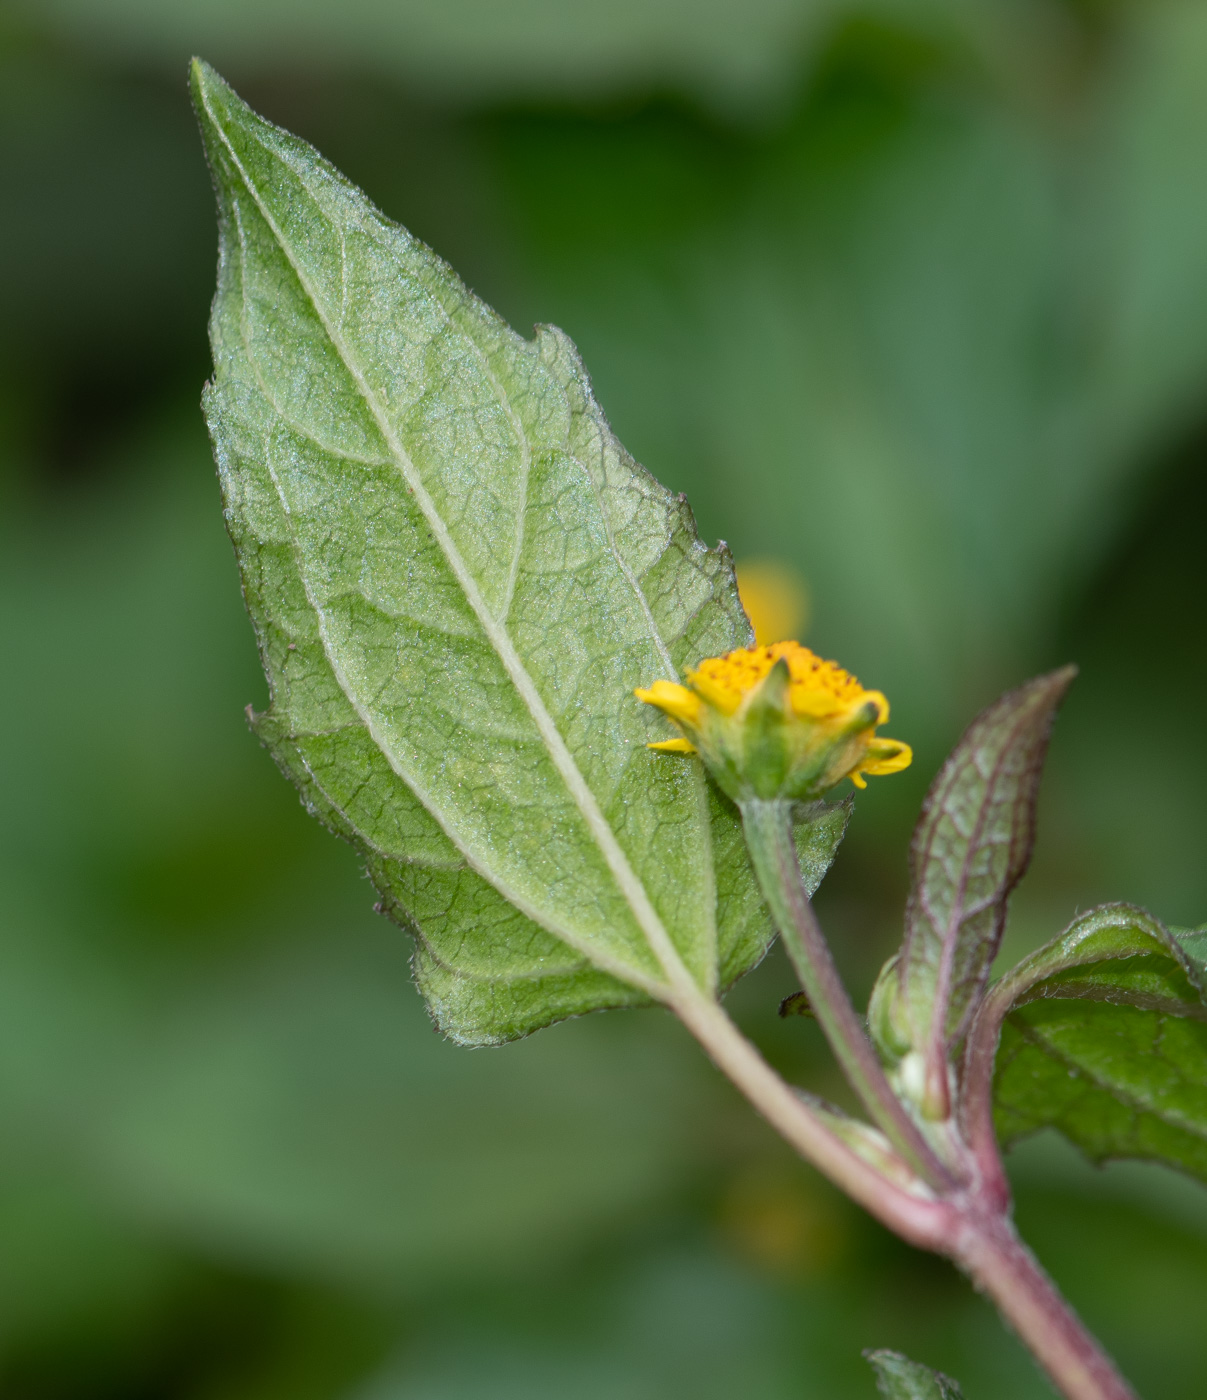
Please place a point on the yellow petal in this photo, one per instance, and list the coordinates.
(674, 700)
(673, 746)
(720, 697)
(877, 697)
(815, 704)
(887, 756)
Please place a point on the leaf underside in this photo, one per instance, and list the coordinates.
(899, 1378)
(457, 576)
(970, 849)
(1111, 1047)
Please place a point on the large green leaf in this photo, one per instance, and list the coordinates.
(1106, 1040)
(899, 1378)
(972, 844)
(458, 576)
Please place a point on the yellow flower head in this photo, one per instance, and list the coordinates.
(778, 722)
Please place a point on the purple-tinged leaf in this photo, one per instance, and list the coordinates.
(972, 844)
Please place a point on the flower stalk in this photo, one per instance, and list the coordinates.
(768, 828)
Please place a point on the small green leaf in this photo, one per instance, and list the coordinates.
(899, 1378)
(1106, 1040)
(972, 844)
(457, 577)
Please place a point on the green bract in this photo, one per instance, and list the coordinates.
(457, 577)
(765, 751)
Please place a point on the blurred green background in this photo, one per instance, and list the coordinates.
(909, 296)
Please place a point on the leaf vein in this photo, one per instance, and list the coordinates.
(630, 886)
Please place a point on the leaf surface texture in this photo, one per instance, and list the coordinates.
(899, 1378)
(971, 847)
(458, 576)
(1107, 1042)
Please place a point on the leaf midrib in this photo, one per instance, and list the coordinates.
(940, 1036)
(631, 888)
(601, 960)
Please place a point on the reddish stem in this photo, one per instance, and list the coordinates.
(1027, 1298)
(976, 1089)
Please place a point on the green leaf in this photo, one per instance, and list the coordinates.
(457, 577)
(1193, 943)
(1117, 953)
(971, 846)
(1105, 1039)
(899, 1378)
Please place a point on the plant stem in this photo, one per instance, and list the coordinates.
(1006, 1270)
(972, 1231)
(916, 1216)
(769, 836)
(968, 1217)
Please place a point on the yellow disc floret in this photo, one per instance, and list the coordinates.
(820, 689)
(778, 721)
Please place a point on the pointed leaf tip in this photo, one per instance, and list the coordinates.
(201, 77)
(971, 847)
